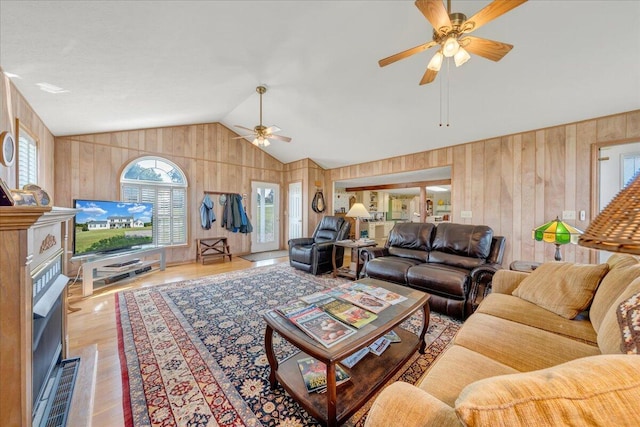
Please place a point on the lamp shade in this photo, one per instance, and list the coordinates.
(556, 231)
(358, 211)
(617, 227)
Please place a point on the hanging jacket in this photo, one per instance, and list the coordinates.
(245, 224)
(207, 216)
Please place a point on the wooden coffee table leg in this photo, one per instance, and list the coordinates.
(425, 325)
(331, 395)
(271, 357)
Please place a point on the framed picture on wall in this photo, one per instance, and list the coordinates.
(6, 199)
(24, 198)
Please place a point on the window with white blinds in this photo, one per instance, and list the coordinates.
(159, 181)
(27, 159)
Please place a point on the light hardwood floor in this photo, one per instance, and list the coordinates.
(95, 322)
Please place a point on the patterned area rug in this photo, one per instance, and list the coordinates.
(192, 352)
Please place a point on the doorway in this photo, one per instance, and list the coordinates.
(265, 212)
(295, 210)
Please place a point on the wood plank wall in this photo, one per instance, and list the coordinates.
(517, 182)
(13, 106)
(511, 183)
(210, 159)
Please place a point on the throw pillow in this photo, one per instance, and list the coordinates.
(597, 390)
(562, 287)
(629, 321)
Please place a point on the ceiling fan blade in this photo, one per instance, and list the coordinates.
(244, 136)
(489, 49)
(436, 14)
(429, 76)
(279, 138)
(272, 128)
(489, 13)
(405, 54)
(245, 128)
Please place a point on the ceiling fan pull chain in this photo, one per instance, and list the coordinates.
(448, 86)
(440, 103)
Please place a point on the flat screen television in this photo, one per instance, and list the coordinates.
(108, 226)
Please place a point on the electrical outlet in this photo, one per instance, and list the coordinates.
(465, 214)
(583, 215)
(568, 214)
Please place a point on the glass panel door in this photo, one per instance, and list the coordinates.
(265, 202)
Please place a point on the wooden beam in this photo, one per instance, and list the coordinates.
(417, 184)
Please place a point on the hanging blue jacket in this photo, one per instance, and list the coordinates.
(207, 217)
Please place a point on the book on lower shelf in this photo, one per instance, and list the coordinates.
(322, 327)
(379, 346)
(351, 361)
(314, 374)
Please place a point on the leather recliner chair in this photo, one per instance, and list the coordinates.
(313, 254)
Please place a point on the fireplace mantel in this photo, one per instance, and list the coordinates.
(29, 237)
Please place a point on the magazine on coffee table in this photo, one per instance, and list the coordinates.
(320, 298)
(322, 327)
(365, 301)
(349, 313)
(379, 346)
(376, 291)
(385, 295)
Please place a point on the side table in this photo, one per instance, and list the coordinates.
(355, 246)
(524, 266)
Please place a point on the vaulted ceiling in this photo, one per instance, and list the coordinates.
(130, 65)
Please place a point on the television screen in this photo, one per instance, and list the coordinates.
(105, 226)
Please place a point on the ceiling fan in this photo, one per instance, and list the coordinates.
(261, 134)
(450, 33)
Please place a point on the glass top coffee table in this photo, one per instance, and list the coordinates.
(367, 376)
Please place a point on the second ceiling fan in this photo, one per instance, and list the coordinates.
(262, 134)
(450, 33)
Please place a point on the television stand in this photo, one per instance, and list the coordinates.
(93, 269)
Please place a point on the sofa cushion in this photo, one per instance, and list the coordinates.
(468, 367)
(439, 257)
(522, 347)
(610, 333)
(411, 235)
(600, 390)
(518, 310)
(416, 254)
(623, 269)
(390, 268)
(463, 239)
(561, 287)
(439, 280)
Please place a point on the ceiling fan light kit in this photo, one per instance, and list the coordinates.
(450, 34)
(260, 133)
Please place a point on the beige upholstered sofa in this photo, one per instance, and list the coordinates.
(541, 349)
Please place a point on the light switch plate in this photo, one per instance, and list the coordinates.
(568, 214)
(465, 214)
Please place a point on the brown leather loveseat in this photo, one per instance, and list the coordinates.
(452, 262)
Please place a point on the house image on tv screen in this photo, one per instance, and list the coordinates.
(115, 222)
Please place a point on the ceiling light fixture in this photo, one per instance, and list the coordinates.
(436, 61)
(461, 57)
(436, 189)
(451, 45)
(260, 133)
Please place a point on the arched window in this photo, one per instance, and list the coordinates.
(161, 182)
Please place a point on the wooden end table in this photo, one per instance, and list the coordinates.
(524, 266)
(368, 376)
(355, 246)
